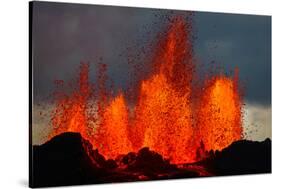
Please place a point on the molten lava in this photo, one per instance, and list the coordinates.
(219, 115)
(165, 117)
(163, 114)
(112, 133)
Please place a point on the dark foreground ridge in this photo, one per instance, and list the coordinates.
(68, 159)
(241, 157)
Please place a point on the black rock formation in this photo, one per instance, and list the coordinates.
(241, 157)
(68, 159)
(65, 160)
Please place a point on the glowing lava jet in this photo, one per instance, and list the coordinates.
(112, 133)
(163, 114)
(219, 115)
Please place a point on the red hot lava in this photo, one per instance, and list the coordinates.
(165, 117)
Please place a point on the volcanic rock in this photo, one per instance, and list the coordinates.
(150, 161)
(241, 157)
(68, 159)
(65, 160)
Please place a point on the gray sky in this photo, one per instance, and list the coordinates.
(65, 34)
(242, 41)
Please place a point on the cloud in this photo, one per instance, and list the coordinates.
(257, 122)
(41, 127)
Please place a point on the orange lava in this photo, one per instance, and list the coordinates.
(112, 133)
(219, 115)
(165, 116)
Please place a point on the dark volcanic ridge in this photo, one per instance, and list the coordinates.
(68, 159)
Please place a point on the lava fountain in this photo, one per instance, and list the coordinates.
(112, 133)
(219, 116)
(165, 116)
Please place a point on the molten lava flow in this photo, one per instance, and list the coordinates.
(112, 135)
(219, 115)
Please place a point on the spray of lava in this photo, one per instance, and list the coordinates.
(165, 117)
(219, 113)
